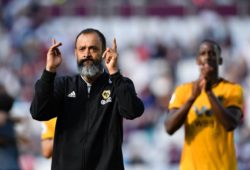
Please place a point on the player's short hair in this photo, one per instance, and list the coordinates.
(92, 30)
(214, 43)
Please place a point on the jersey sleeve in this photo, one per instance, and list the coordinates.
(235, 97)
(48, 129)
(178, 97)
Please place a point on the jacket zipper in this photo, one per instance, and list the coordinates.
(84, 143)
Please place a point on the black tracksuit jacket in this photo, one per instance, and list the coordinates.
(89, 130)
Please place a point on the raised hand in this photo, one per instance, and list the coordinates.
(197, 88)
(54, 56)
(110, 56)
(206, 72)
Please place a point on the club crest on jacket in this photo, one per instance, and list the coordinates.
(106, 97)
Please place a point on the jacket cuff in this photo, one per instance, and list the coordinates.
(115, 76)
(48, 76)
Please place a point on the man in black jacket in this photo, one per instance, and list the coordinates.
(89, 107)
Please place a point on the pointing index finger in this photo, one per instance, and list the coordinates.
(53, 41)
(114, 45)
(55, 44)
(104, 53)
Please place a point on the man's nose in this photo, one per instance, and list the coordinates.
(205, 59)
(87, 53)
(207, 56)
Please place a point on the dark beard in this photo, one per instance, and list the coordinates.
(89, 67)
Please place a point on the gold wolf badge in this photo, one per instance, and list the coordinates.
(106, 94)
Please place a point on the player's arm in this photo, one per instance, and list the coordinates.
(47, 137)
(177, 117)
(47, 147)
(229, 117)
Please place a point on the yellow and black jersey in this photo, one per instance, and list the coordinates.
(207, 146)
(48, 129)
